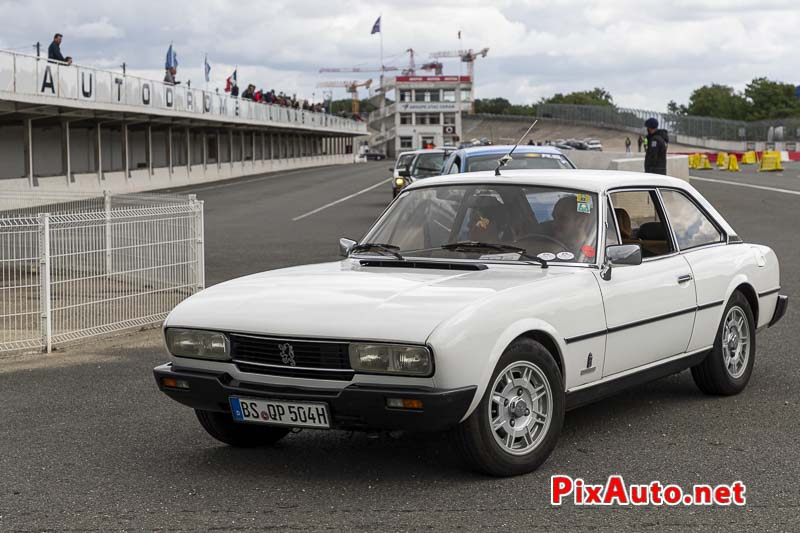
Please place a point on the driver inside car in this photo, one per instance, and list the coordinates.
(571, 226)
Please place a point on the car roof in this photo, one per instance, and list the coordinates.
(500, 149)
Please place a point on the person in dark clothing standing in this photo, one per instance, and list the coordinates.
(54, 51)
(655, 157)
(640, 142)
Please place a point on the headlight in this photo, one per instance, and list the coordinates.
(391, 359)
(198, 343)
(399, 182)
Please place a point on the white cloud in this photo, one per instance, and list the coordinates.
(645, 54)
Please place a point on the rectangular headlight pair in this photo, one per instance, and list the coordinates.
(198, 343)
(395, 359)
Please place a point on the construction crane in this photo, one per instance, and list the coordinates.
(359, 69)
(351, 86)
(411, 69)
(468, 57)
(435, 66)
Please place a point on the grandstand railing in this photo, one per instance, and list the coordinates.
(699, 127)
(23, 75)
(74, 266)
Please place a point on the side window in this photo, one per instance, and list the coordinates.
(640, 221)
(692, 228)
(611, 227)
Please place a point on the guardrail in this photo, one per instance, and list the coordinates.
(26, 76)
(73, 266)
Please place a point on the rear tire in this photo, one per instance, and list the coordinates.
(510, 433)
(222, 427)
(728, 366)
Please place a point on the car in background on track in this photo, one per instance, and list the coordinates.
(415, 165)
(485, 306)
(525, 156)
(373, 155)
(594, 144)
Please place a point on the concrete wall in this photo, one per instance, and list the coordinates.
(677, 165)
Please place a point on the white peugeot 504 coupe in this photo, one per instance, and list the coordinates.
(484, 305)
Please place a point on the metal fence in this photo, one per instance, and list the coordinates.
(73, 266)
(700, 127)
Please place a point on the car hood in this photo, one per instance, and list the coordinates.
(349, 301)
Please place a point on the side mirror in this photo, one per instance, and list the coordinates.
(620, 254)
(345, 245)
(624, 254)
(391, 169)
(404, 172)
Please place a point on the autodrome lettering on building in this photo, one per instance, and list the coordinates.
(406, 107)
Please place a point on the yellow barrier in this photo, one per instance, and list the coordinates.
(733, 164)
(770, 162)
(749, 158)
(693, 160)
(704, 164)
(722, 160)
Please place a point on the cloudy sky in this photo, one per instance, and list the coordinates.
(644, 53)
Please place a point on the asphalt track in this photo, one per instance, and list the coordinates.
(87, 443)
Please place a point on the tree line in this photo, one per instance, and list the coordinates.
(761, 99)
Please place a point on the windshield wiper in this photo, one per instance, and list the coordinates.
(389, 249)
(497, 247)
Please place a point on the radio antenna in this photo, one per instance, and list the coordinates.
(503, 161)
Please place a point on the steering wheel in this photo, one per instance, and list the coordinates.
(545, 237)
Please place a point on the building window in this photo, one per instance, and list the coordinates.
(420, 96)
(406, 143)
(448, 118)
(448, 95)
(405, 95)
(465, 96)
(434, 96)
(428, 118)
(406, 118)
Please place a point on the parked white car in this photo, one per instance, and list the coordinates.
(482, 305)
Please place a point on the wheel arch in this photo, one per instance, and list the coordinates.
(750, 294)
(534, 329)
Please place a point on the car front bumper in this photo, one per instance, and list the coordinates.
(361, 407)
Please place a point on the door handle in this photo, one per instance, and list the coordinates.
(684, 278)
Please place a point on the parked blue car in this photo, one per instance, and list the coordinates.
(477, 158)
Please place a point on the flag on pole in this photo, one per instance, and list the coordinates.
(376, 28)
(459, 35)
(230, 83)
(172, 58)
(207, 69)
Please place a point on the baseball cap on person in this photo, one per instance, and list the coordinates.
(651, 123)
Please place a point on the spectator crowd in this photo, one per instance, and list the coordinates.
(250, 93)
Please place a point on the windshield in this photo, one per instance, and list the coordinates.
(550, 223)
(519, 161)
(427, 165)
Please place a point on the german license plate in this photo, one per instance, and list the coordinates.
(280, 413)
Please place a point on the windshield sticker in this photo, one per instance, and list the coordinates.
(588, 251)
(584, 207)
(582, 198)
(483, 222)
(546, 256)
(565, 256)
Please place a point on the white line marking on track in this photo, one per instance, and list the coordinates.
(750, 185)
(232, 182)
(340, 200)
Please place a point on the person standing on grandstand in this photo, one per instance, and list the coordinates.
(54, 51)
(655, 157)
(628, 144)
(169, 77)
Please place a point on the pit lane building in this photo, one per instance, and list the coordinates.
(426, 110)
(85, 129)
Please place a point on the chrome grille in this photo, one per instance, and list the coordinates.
(274, 356)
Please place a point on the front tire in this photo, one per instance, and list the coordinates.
(222, 427)
(518, 421)
(727, 368)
